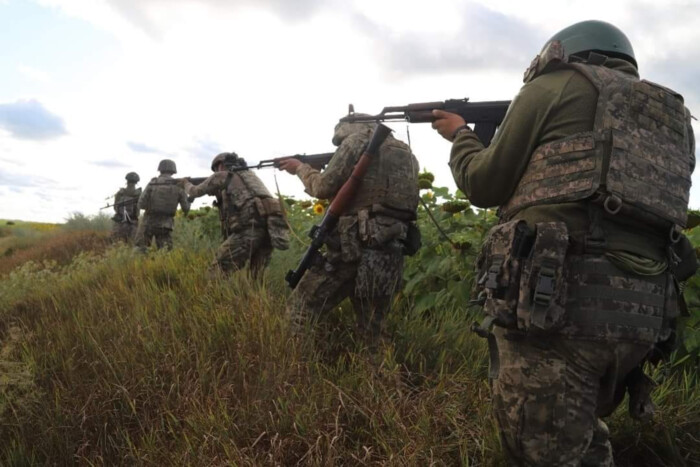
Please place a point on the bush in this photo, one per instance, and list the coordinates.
(79, 221)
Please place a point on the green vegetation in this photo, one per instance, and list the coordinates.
(116, 358)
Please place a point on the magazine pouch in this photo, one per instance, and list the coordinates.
(498, 270)
(542, 282)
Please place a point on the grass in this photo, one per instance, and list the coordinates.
(160, 365)
(110, 357)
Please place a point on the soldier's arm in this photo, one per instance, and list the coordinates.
(550, 107)
(211, 186)
(325, 185)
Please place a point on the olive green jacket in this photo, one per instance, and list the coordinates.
(548, 108)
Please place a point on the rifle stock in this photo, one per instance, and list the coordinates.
(486, 116)
(338, 206)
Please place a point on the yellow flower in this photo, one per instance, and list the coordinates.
(318, 208)
(429, 195)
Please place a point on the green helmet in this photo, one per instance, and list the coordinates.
(228, 158)
(594, 36)
(132, 177)
(167, 166)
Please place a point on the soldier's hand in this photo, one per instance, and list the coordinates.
(290, 165)
(447, 123)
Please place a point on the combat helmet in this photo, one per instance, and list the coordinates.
(132, 177)
(594, 36)
(228, 158)
(167, 166)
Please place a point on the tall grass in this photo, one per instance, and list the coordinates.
(147, 360)
(112, 357)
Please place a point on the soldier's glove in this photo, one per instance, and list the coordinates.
(640, 387)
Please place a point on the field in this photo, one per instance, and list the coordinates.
(110, 357)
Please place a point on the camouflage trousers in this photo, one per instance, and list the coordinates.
(370, 283)
(550, 392)
(124, 231)
(251, 245)
(146, 234)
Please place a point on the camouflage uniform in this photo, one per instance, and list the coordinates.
(159, 200)
(252, 221)
(364, 254)
(576, 277)
(126, 216)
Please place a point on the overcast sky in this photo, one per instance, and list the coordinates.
(93, 89)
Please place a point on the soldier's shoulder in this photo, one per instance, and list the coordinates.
(356, 138)
(354, 143)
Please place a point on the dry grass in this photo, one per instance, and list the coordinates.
(59, 247)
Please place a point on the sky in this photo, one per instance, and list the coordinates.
(93, 89)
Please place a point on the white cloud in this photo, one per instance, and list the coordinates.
(265, 79)
(35, 74)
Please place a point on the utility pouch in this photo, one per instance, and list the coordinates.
(413, 240)
(278, 231)
(381, 230)
(683, 260)
(639, 387)
(543, 284)
(498, 270)
(349, 238)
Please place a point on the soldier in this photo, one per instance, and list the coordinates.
(160, 200)
(364, 257)
(591, 172)
(126, 213)
(252, 222)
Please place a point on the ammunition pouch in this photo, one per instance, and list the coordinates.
(543, 285)
(413, 240)
(498, 271)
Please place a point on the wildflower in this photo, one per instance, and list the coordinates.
(318, 208)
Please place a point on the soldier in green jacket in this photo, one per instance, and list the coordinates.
(160, 199)
(591, 173)
(364, 253)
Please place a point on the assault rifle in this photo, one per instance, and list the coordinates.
(317, 161)
(486, 116)
(340, 203)
(126, 202)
